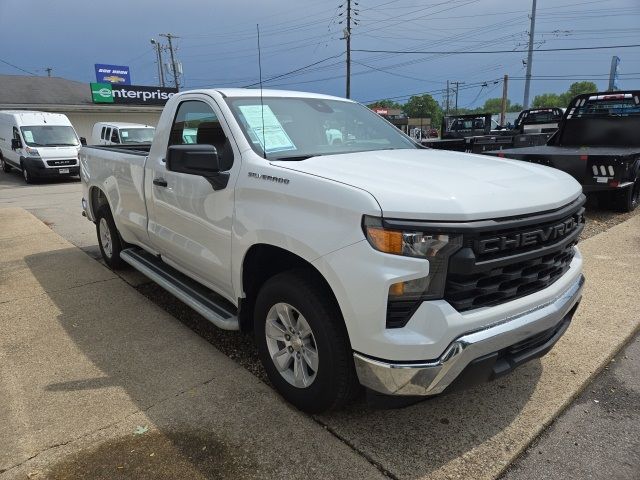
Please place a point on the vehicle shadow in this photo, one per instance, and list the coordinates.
(13, 179)
(107, 358)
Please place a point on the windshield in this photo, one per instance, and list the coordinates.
(137, 135)
(299, 128)
(49, 136)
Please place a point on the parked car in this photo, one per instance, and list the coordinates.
(370, 262)
(40, 144)
(598, 143)
(116, 133)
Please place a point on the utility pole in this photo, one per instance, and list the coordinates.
(446, 110)
(48, 70)
(503, 106)
(527, 83)
(174, 69)
(457, 84)
(157, 47)
(347, 37)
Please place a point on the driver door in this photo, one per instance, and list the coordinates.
(190, 222)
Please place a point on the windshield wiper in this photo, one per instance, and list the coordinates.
(294, 158)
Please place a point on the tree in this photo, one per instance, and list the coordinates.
(515, 107)
(494, 105)
(563, 100)
(578, 88)
(385, 104)
(548, 100)
(424, 106)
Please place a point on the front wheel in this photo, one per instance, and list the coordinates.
(108, 238)
(26, 174)
(303, 343)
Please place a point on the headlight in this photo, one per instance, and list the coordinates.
(434, 247)
(32, 152)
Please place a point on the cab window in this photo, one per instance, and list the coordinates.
(114, 136)
(197, 123)
(104, 129)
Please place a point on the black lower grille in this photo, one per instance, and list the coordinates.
(533, 342)
(502, 284)
(61, 163)
(400, 311)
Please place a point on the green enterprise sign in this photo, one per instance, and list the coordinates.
(101, 93)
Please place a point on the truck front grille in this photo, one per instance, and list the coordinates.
(516, 259)
(502, 284)
(61, 163)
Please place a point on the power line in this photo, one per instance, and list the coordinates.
(459, 52)
(294, 71)
(17, 67)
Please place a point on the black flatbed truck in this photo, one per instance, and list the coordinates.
(598, 143)
(532, 127)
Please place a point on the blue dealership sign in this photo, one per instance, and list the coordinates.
(114, 74)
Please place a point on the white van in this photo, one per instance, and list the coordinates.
(40, 144)
(116, 133)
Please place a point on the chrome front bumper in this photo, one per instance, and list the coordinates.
(432, 377)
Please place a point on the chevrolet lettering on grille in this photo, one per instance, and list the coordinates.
(528, 238)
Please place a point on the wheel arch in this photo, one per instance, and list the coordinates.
(97, 198)
(263, 261)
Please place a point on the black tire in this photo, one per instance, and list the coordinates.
(335, 382)
(5, 166)
(26, 174)
(628, 199)
(110, 250)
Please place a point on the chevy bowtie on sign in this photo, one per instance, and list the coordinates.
(115, 74)
(130, 94)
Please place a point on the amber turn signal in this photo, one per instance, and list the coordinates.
(388, 241)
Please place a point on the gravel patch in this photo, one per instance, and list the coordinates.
(599, 219)
(240, 346)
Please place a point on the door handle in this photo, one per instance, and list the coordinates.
(160, 182)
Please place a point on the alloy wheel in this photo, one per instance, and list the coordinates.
(105, 237)
(292, 345)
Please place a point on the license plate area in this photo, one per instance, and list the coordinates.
(63, 170)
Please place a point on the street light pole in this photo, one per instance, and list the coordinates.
(156, 47)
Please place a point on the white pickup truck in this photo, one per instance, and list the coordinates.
(368, 261)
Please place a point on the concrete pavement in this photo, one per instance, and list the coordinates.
(57, 203)
(474, 434)
(598, 437)
(86, 361)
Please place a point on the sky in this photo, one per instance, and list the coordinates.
(217, 43)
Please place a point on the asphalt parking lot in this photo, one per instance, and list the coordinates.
(87, 415)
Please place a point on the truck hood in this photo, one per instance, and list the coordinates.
(444, 185)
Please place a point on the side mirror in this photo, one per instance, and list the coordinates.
(83, 141)
(15, 143)
(199, 160)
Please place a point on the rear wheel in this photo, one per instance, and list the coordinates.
(628, 199)
(303, 343)
(4, 165)
(108, 238)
